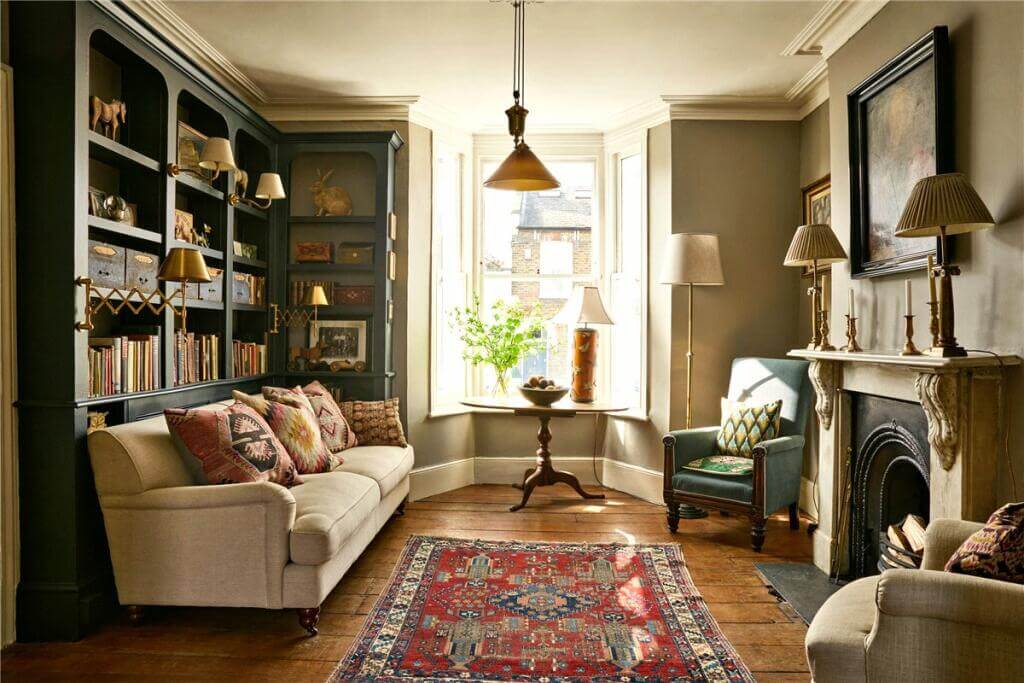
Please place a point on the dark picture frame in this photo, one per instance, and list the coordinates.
(901, 130)
(342, 340)
(817, 208)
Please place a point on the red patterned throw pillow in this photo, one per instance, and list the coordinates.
(235, 445)
(297, 429)
(376, 423)
(334, 428)
(995, 551)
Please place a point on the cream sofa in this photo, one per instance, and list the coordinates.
(176, 540)
(921, 625)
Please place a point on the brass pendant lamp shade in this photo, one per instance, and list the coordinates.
(945, 201)
(521, 170)
(815, 243)
(183, 265)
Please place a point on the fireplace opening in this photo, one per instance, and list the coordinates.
(889, 468)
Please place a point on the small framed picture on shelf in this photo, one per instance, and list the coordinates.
(190, 147)
(341, 341)
(183, 226)
(96, 199)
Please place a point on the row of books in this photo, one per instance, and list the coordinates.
(298, 289)
(123, 364)
(196, 358)
(250, 358)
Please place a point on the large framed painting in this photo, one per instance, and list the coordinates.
(900, 121)
(817, 209)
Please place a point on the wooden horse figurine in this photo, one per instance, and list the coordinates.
(108, 113)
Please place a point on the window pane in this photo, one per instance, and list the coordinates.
(627, 337)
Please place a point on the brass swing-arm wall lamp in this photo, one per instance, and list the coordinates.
(298, 317)
(269, 188)
(217, 157)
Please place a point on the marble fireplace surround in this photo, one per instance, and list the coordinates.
(962, 401)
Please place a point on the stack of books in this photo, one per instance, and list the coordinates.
(250, 358)
(124, 364)
(196, 358)
(298, 289)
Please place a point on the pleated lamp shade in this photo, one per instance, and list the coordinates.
(947, 200)
(183, 265)
(814, 243)
(522, 171)
(692, 259)
(217, 155)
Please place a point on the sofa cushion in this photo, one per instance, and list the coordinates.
(386, 465)
(724, 465)
(746, 426)
(329, 508)
(738, 488)
(835, 639)
(297, 428)
(376, 423)
(334, 429)
(996, 551)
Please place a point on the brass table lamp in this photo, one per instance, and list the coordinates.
(584, 308)
(183, 265)
(944, 204)
(815, 245)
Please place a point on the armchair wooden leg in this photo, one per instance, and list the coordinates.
(756, 532)
(136, 613)
(794, 517)
(673, 517)
(309, 618)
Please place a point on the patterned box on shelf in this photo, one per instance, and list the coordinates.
(214, 289)
(355, 254)
(241, 289)
(141, 270)
(314, 252)
(245, 250)
(353, 295)
(106, 264)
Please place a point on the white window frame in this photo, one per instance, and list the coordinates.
(616, 150)
(441, 405)
(570, 147)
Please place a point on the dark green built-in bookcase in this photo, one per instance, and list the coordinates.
(62, 53)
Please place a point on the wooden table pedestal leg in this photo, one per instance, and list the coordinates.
(545, 474)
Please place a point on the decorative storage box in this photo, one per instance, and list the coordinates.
(106, 264)
(245, 250)
(214, 289)
(192, 290)
(353, 295)
(241, 289)
(314, 252)
(141, 270)
(355, 254)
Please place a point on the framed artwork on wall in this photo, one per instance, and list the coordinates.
(817, 209)
(900, 126)
(340, 340)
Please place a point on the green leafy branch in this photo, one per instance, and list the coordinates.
(512, 332)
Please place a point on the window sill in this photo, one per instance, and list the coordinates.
(449, 410)
(633, 415)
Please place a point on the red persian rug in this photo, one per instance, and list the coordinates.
(459, 610)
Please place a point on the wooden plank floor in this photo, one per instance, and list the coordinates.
(260, 645)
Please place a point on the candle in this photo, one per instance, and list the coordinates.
(931, 278)
(849, 306)
(910, 309)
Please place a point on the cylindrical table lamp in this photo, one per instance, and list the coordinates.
(586, 308)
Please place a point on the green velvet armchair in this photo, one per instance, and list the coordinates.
(775, 480)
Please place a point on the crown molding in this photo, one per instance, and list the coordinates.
(639, 117)
(564, 141)
(173, 28)
(834, 24)
(731, 107)
(811, 90)
(347, 108)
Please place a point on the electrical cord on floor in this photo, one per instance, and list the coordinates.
(1005, 409)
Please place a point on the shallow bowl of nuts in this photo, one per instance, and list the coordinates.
(541, 391)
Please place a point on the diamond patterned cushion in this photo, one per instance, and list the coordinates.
(725, 465)
(334, 429)
(746, 426)
(995, 551)
(298, 430)
(235, 445)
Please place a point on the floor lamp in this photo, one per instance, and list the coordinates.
(691, 259)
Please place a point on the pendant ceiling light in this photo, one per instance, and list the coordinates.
(521, 170)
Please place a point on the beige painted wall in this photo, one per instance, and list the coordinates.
(988, 63)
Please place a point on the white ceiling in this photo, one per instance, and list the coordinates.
(586, 61)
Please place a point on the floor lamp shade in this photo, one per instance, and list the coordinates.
(692, 259)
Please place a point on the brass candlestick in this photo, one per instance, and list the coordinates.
(825, 344)
(851, 336)
(933, 321)
(908, 346)
(814, 291)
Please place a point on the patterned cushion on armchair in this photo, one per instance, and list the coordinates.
(725, 465)
(747, 426)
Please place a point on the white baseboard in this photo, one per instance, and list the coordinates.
(434, 479)
(635, 480)
(511, 470)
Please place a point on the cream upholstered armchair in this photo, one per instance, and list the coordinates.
(921, 624)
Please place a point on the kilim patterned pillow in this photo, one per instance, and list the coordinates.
(333, 427)
(995, 551)
(747, 426)
(235, 445)
(297, 429)
(376, 423)
(725, 465)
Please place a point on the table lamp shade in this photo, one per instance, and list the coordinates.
(584, 307)
(217, 155)
(269, 187)
(814, 243)
(183, 265)
(692, 259)
(315, 296)
(945, 200)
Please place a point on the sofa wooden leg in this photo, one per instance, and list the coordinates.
(135, 615)
(309, 618)
(756, 532)
(794, 517)
(400, 510)
(673, 517)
